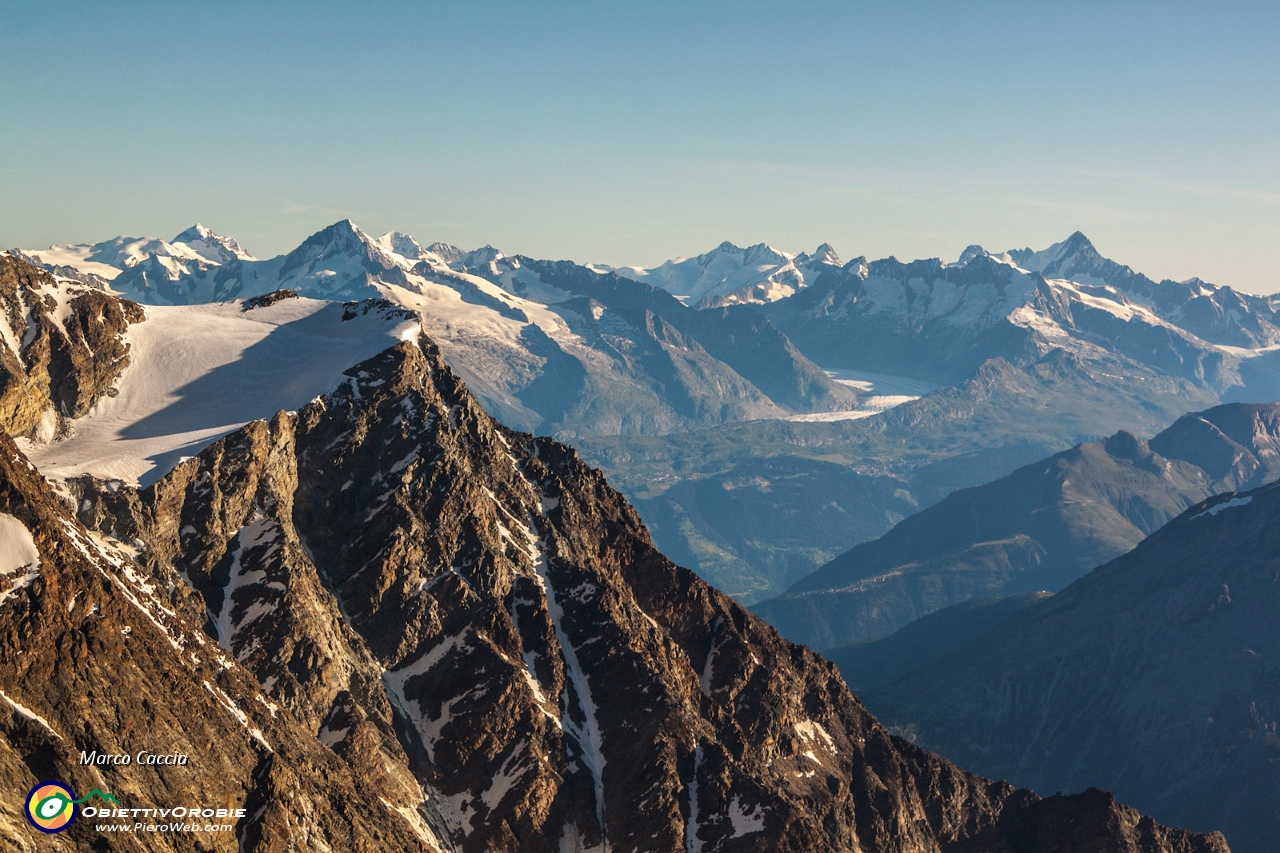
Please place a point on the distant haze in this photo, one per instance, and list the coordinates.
(631, 134)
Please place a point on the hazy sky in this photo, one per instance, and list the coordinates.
(629, 133)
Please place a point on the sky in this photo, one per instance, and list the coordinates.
(631, 133)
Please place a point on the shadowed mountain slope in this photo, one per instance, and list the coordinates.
(877, 663)
(1154, 675)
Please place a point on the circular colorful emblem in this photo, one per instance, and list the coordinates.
(51, 807)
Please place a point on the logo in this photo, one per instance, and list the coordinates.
(51, 806)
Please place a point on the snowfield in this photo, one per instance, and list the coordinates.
(198, 372)
(885, 390)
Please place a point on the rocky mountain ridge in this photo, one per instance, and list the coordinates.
(882, 316)
(1048, 286)
(739, 338)
(1214, 313)
(941, 321)
(731, 275)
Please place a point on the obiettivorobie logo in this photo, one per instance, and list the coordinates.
(51, 806)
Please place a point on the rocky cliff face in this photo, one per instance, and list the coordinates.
(445, 602)
(63, 348)
(97, 653)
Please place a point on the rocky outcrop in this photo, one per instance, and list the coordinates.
(1086, 822)
(390, 560)
(63, 348)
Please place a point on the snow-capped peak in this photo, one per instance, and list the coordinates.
(977, 253)
(824, 254)
(341, 239)
(1077, 242)
(211, 246)
(759, 254)
(447, 252)
(1075, 246)
(477, 258)
(196, 232)
(762, 254)
(730, 274)
(194, 248)
(340, 236)
(399, 243)
(1200, 287)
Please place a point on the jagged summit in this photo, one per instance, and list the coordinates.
(1200, 287)
(730, 274)
(343, 227)
(1076, 254)
(446, 251)
(211, 246)
(1077, 241)
(403, 245)
(762, 253)
(824, 254)
(858, 266)
(758, 253)
(477, 258)
(343, 238)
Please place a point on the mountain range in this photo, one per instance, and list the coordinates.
(686, 408)
(385, 621)
(556, 357)
(942, 321)
(729, 275)
(926, 319)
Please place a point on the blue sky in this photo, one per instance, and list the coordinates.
(629, 133)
